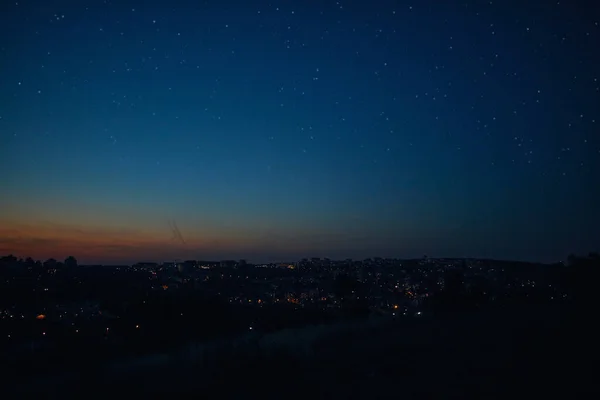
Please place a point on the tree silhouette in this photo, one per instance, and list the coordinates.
(8, 260)
(71, 262)
(453, 283)
(585, 272)
(453, 297)
(571, 259)
(50, 263)
(344, 286)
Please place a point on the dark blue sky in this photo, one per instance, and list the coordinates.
(285, 129)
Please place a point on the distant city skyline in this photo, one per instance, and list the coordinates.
(279, 130)
(261, 259)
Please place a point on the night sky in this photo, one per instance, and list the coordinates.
(276, 130)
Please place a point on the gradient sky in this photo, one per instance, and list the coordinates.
(273, 130)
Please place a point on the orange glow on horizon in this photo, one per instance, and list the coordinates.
(44, 240)
(98, 241)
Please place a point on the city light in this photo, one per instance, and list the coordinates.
(267, 297)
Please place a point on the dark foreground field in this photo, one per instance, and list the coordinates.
(528, 353)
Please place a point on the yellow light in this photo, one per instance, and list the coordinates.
(40, 317)
(395, 306)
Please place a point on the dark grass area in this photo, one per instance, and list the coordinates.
(529, 352)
